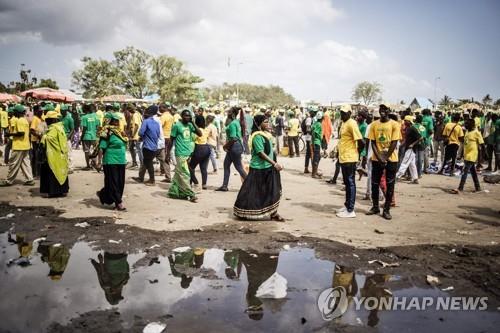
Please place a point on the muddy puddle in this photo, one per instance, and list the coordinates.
(48, 287)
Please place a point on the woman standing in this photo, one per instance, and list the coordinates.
(260, 194)
(112, 149)
(201, 155)
(54, 169)
(233, 147)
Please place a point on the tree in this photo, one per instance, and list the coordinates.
(255, 94)
(497, 103)
(47, 83)
(487, 99)
(171, 81)
(367, 92)
(132, 68)
(446, 102)
(97, 78)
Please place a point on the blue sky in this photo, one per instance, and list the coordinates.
(316, 49)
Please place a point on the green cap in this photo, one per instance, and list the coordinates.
(48, 107)
(112, 115)
(64, 107)
(10, 110)
(116, 106)
(19, 108)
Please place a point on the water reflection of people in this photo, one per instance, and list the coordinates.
(374, 287)
(182, 264)
(56, 257)
(24, 247)
(259, 269)
(113, 274)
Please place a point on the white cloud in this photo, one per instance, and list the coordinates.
(276, 42)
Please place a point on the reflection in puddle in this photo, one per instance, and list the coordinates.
(199, 290)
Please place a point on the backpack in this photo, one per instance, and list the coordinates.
(303, 126)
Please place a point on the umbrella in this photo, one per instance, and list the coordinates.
(470, 106)
(47, 94)
(9, 98)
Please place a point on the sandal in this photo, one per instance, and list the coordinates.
(277, 217)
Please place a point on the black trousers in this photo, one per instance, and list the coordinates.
(34, 159)
(308, 153)
(114, 183)
(450, 153)
(293, 141)
(390, 175)
(148, 158)
(201, 156)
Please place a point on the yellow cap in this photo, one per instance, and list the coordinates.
(52, 115)
(409, 118)
(346, 108)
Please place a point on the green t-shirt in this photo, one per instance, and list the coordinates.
(423, 132)
(115, 150)
(90, 122)
(497, 131)
(68, 124)
(317, 133)
(184, 142)
(259, 145)
(428, 123)
(362, 130)
(233, 130)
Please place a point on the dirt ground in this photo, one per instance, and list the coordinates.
(425, 213)
(453, 237)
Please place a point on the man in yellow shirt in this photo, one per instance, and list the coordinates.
(4, 124)
(167, 120)
(36, 121)
(350, 146)
(134, 140)
(473, 145)
(293, 134)
(384, 136)
(19, 159)
(452, 135)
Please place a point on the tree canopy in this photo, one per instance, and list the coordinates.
(255, 94)
(367, 92)
(136, 73)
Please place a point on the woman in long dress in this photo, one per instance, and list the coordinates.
(54, 169)
(260, 194)
(113, 148)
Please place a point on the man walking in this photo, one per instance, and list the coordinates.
(412, 138)
(149, 133)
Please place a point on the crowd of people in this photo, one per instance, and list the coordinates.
(384, 145)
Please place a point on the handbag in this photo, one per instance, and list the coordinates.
(446, 140)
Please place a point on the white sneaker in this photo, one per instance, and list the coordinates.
(346, 214)
(341, 210)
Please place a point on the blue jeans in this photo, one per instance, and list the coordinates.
(348, 173)
(233, 156)
(316, 155)
(469, 166)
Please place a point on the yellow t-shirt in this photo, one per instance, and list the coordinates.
(348, 145)
(383, 134)
(477, 122)
(472, 140)
(457, 133)
(167, 120)
(35, 122)
(137, 122)
(21, 142)
(202, 140)
(177, 117)
(100, 116)
(122, 122)
(4, 119)
(293, 124)
(12, 124)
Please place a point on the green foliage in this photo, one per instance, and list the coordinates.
(97, 78)
(138, 74)
(254, 94)
(487, 99)
(446, 102)
(48, 83)
(367, 92)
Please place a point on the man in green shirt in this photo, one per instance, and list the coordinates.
(428, 123)
(69, 129)
(90, 124)
(317, 134)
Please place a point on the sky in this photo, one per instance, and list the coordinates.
(314, 49)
